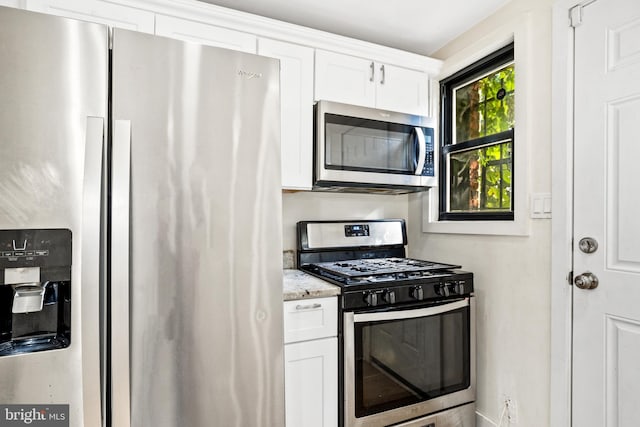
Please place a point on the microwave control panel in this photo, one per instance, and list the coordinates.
(429, 163)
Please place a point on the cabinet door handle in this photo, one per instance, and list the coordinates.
(308, 306)
(382, 74)
(372, 71)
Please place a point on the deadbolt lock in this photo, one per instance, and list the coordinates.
(586, 281)
(588, 245)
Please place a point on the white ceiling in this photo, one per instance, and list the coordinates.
(419, 26)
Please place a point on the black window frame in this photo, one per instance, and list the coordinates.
(493, 61)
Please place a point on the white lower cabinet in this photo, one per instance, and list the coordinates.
(311, 383)
(311, 362)
(99, 11)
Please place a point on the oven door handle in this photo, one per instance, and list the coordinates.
(409, 314)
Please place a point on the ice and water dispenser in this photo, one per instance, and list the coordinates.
(35, 290)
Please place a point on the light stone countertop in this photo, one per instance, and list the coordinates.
(297, 284)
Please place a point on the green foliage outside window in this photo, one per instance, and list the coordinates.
(480, 177)
(485, 106)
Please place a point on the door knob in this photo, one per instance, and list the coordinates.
(586, 281)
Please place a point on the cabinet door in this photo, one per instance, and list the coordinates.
(183, 29)
(296, 119)
(344, 78)
(311, 383)
(102, 12)
(401, 89)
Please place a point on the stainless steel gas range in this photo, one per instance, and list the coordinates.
(406, 326)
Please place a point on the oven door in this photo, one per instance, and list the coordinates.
(403, 364)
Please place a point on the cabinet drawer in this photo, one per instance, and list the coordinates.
(309, 319)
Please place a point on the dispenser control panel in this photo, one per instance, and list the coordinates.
(49, 249)
(35, 290)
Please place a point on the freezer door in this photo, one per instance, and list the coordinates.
(196, 246)
(53, 86)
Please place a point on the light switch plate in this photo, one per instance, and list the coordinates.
(541, 205)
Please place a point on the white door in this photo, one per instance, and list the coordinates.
(606, 320)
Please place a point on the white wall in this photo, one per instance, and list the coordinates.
(512, 273)
(307, 206)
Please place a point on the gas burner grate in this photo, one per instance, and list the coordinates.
(381, 269)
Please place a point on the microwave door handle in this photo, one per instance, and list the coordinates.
(422, 150)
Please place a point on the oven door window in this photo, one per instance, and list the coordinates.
(357, 144)
(407, 361)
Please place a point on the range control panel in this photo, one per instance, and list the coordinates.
(49, 249)
(356, 230)
(454, 286)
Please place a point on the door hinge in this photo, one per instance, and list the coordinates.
(570, 278)
(575, 16)
(576, 13)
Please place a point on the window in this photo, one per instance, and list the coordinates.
(477, 140)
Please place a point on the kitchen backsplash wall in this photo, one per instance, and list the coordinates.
(305, 206)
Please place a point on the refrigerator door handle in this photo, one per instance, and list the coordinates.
(90, 248)
(120, 369)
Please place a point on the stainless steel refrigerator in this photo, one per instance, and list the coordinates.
(140, 204)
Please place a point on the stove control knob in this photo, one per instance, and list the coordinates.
(452, 287)
(442, 290)
(389, 297)
(371, 298)
(417, 293)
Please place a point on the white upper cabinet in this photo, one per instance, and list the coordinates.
(102, 12)
(211, 35)
(10, 3)
(344, 78)
(310, 67)
(401, 89)
(296, 119)
(357, 81)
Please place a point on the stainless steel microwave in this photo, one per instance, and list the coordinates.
(370, 150)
